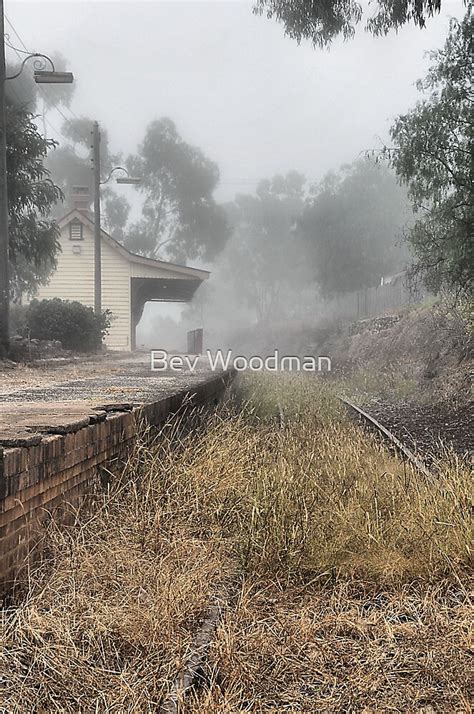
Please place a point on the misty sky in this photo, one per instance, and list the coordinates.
(252, 99)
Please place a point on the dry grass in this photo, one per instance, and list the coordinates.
(342, 647)
(106, 625)
(355, 574)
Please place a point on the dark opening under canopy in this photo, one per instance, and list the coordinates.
(145, 290)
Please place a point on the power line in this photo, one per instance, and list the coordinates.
(58, 135)
(23, 103)
(55, 130)
(17, 35)
(44, 91)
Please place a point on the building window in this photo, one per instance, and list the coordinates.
(75, 230)
(76, 249)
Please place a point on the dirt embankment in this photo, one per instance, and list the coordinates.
(428, 350)
(430, 344)
(413, 371)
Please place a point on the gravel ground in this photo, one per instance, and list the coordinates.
(113, 380)
(15, 377)
(47, 399)
(136, 387)
(427, 429)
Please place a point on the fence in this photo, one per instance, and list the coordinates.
(195, 341)
(375, 301)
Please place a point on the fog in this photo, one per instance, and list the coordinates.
(254, 101)
(251, 98)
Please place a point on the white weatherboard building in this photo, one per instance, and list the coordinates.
(128, 280)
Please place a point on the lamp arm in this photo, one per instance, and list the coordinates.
(117, 168)
(39, 63)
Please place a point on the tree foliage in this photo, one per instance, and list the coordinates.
(33, 236)
(321, 21)
(180, 216)
(70, 165)
(23, 91)
(433, 155)
(352, 227)
(265, 251)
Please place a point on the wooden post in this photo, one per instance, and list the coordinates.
(97, 244)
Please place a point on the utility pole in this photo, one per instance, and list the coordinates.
(4, 271)
(97, 245)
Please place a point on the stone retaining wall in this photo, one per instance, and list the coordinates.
(35, 481)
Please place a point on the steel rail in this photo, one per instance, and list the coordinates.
(391, 438)
(192, 670)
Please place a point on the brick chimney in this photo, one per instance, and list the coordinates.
(81, 198)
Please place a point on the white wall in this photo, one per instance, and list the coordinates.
(74, 280)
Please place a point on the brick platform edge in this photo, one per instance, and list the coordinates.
(37, 482)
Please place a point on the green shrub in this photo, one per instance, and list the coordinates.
(75, 325)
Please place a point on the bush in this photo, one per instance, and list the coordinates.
(75, 325)
(18, 320)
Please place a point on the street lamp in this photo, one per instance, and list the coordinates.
(127, 179)
(41, 76)
(45, 77)
(124, 180)
(130, 180)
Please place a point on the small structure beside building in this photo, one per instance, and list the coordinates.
(128, 280)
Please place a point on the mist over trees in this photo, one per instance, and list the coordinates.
(181, 219)
(338, 236)
(433, 155)
(294, 246)
(352, 227)
(265, 250)
(70, 165)
(269, 247)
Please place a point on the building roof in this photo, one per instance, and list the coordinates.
(184, 270)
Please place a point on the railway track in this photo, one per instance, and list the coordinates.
(373, 423)
(192, 671)
(390, 438)
(191, 674)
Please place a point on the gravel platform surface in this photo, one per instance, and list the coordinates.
(50, 400)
